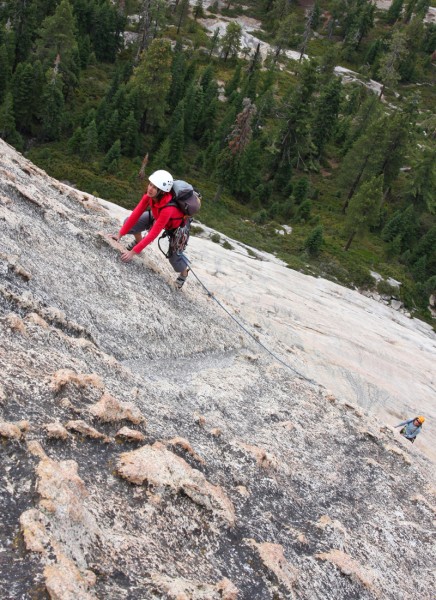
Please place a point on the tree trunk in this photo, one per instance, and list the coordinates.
(350, 239)
(145, 29)
(354, 186)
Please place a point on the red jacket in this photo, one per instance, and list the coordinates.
(169, 218)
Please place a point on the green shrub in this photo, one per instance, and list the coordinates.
(261, 217)
(314, 241)
(215, 237)
(227, 245)
(386, 289)
(361, 277)
(196, 230)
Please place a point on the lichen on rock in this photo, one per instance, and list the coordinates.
(161, 468)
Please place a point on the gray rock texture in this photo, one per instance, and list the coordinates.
(246, 482)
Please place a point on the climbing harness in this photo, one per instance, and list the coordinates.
(178, 239)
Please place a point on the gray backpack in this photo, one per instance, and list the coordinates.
(185, 197)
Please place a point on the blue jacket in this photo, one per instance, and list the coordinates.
(411, 431)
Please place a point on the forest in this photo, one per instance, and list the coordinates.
(99, 93)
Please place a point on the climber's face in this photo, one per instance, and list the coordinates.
(152, 190)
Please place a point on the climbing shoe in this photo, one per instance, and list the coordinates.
(181, 280)
(131, 245)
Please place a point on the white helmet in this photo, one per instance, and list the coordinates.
(162, 180)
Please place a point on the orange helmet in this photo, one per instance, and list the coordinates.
(420, 420)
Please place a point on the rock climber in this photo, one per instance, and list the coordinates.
(152, 215)
(411, 428)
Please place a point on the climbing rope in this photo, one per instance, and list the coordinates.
(277, 358)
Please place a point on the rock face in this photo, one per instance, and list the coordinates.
(238, 481)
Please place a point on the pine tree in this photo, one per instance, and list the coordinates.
(112, 158)
(194, 100)
(178, 72)
(294, 141)
(145, 28)
(110, 132)
(390, 62)
(314, 241)
(230, 159)
(300, 190)
(422, 185)
(57, 42)
(364, 159)
(161, 159)
(233, 83)
(231, 41)
(53, 105)
(326, 114)
(7, 123)
(251, 76)
(23, 18)
(129, 135)
(75, 142)
(89, 147)
(107, 30)
(364, 209)
(283, 39)
(5, 72)
(177, 137)
(152, 80)
(22, 90)
(214, 41)
(182, 13)
(206, 119)
(394, 11)
(198, 11)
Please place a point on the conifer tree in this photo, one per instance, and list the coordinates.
(194, 101)
(283, 39)
(233, 83)
(112, 158)
(7, 123)
(5, 71)
(107, 29)
(251, 76)
(182, 13)
(52, 107)
(364, 159)
(76, 140)
(57, 42)
(231, 41)
(426, 246)
(152, 80)
(22, 89)
(294, 144)
(198, 11)
(214, 41)
(326, 114)
(145, 27)
(110, 132)
(23, 19)
(390, 62)
(129, 135)
(230, 159)
(394, 11)
(161, 159)
(89, 147)
(177, 137)
(422, 185)
(314, 241)
(178, 73)
(364, 209)
(206, 119)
